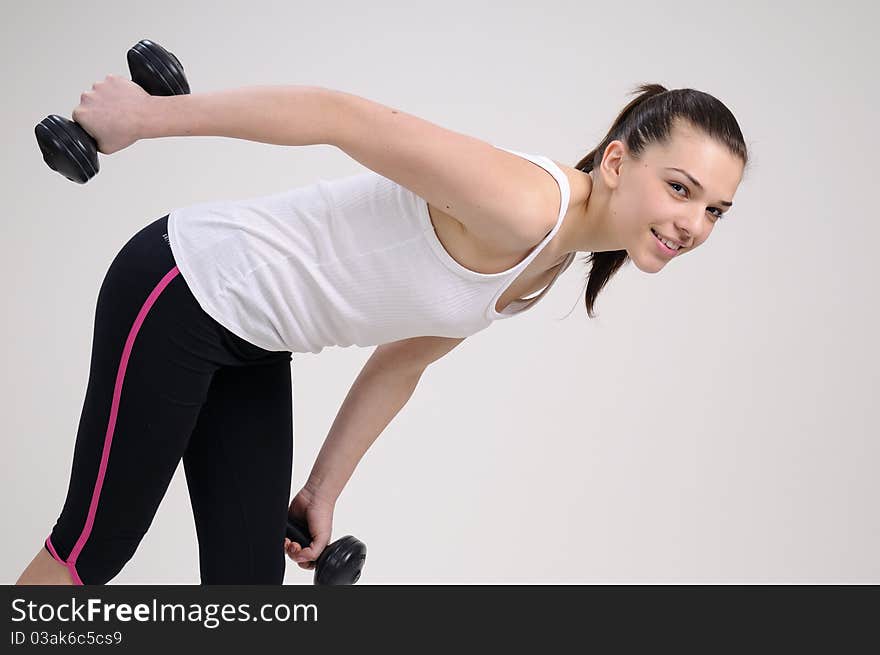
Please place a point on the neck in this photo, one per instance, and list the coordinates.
(588, 226)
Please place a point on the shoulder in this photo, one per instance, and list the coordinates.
(495, 193)
(552, 193)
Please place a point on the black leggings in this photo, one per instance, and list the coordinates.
(166, 382)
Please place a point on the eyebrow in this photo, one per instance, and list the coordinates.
(697, 184)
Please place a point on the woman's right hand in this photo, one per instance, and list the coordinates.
(316, 512)
(113, 113)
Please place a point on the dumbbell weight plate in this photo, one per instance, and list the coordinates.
(67, 148)
(156, 70)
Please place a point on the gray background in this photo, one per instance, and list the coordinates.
(716, 423)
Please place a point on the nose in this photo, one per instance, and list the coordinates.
(688, 227)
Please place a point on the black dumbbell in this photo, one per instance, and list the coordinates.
(340, 563)
(70, 150)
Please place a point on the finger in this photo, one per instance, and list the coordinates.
(318, 544)
(299, 557)
(292, 549)
(311, 553)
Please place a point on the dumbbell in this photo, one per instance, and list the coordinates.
(340, 563)
(70, 150)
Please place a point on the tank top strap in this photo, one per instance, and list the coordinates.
(550, 166)
(565, 193)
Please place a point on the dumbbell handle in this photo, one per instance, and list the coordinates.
(298, 532)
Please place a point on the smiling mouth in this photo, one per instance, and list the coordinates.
(665, 247)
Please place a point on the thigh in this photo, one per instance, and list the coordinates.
(238, 466)
(154, 355)
(146, 385)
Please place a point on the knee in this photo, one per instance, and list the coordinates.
(99, 561)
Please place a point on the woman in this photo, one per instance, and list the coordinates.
(201, 310)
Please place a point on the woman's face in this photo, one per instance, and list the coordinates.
(652, 197)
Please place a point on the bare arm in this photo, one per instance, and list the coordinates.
(375, 398)
(288, 115)
(382, 388)
(499, 197)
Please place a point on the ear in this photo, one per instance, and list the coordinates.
(612, 159)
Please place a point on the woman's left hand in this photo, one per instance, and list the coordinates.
(316, 512)
(113, 113)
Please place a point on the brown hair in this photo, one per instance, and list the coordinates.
(646, 120)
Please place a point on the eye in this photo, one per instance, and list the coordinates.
(720, 213)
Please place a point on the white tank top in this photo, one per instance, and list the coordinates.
(354, 260)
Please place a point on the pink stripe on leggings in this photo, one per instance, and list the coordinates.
(114, 409)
